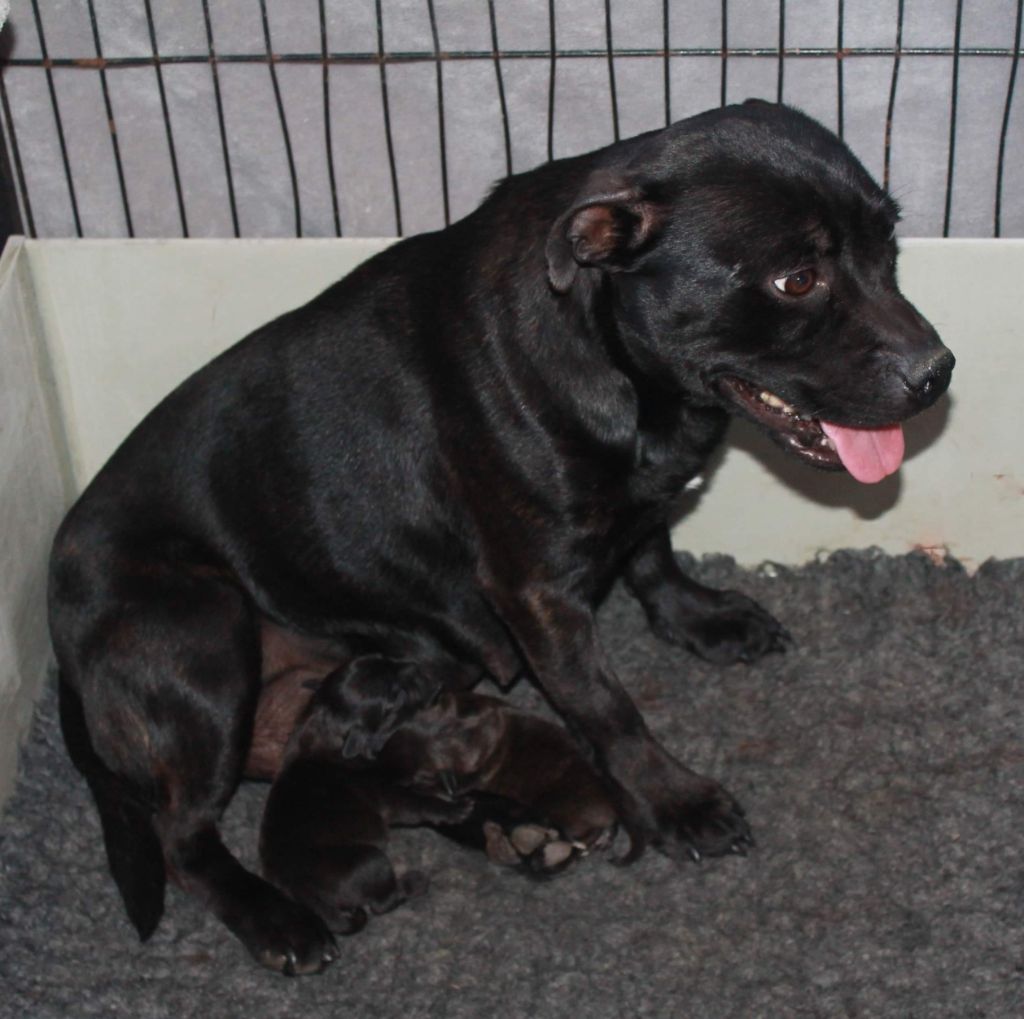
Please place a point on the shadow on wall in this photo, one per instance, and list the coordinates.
(826, 488)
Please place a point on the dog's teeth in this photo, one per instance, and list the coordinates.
(774, 401)
(826, 443)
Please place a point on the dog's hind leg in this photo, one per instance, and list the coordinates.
(133, 849)
(158, 705)
(720, 626)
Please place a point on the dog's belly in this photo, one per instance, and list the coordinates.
(386, 603)
(281, 703)
(441, 623)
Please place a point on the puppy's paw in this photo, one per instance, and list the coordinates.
(538, 850)
(734, 629)
(442, 812)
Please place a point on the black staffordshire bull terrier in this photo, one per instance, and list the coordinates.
(449, 457)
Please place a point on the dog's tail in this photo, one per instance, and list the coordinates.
(126, 813)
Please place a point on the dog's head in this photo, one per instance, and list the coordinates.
(748, 260)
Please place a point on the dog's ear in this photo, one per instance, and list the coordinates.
(605, 227)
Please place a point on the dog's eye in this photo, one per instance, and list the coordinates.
(796, 284)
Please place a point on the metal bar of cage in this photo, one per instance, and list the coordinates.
(386, 110)
(666, 65)
(221, 125)
(179, 194)
(840, 54)
(997, 226)
(896, 55)
(611, 69)
(442, 143)
(285, 134)
(497, 55)
(58, 120)
(115, 146)
(328, 143)
(551, 79)
(725, 53)
(954, 93)
(581, 53)
(781, 72)
(506, 130)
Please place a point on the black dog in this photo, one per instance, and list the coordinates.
(455, 764)
(450, 456)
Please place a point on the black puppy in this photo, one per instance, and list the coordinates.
(537, 801)
(325, 826)
(357, 763)
(451, 455)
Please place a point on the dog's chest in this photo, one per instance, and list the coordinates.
(665, 460)
(671, 449)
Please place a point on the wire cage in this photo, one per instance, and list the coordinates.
(232, 118)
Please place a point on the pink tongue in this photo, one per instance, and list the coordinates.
(869, 454)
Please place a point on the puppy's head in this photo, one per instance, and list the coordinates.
(358, 708)
(746, 259)
(446, 748)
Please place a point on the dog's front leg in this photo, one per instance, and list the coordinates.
(720, 626)
(659, 800)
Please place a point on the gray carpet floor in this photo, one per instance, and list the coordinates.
(881, 762)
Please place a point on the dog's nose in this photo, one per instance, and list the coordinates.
(928, 381)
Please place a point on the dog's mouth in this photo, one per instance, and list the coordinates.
(869, 454)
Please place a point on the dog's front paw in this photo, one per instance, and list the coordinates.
(685, 815)
(732, 629)
(284, 935)
(705, 821)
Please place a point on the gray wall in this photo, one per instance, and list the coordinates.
(475, 147)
